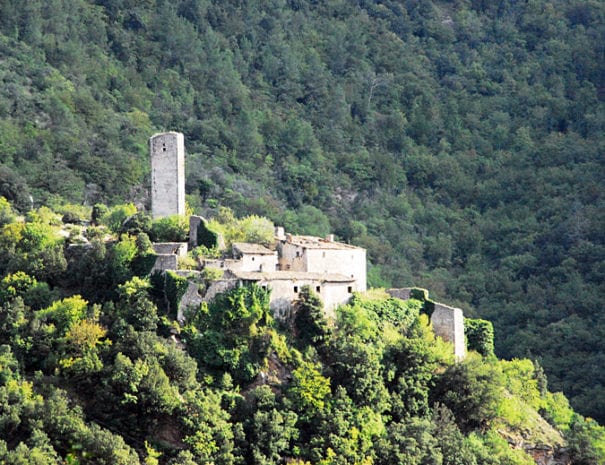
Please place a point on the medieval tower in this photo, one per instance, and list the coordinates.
(167, 151)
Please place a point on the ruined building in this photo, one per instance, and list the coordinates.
(332, 269)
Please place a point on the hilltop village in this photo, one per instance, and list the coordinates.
(333, 270)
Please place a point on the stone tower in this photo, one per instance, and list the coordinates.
(167, 151)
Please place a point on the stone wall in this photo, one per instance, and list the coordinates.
(194, 223)
(165, 262)
(348, 262)
(191, 299)
(176, 248)
(402, 293)
(448, 324)
(259, 262)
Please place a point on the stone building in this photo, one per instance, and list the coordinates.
(254, 257)
(167, 152)
(297, 261)
(447, 322)
(334, 289)
(316, 255)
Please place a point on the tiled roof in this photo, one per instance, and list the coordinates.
(291, 276)
(312, 242)
(248, 248)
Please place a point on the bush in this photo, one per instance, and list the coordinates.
(74, 214)
(479, 336)
(175, 288)
(116, 216)
(173, 228)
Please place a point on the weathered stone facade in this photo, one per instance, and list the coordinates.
(316, 255)
(167, 174)
(174, 248)
(285, 286)
(255, 257)
(448, 324)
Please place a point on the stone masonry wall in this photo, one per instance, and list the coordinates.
(167, 152)
(448, 324)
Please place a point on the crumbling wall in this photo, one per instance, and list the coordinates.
(402, 293)
(175, 248)
(165, 262)
(448, 324)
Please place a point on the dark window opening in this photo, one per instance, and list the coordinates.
(297, 254)
(253, 258)
(318, 289)
(296, 289)
(350, 289)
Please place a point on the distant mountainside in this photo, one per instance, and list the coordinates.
(461, 142)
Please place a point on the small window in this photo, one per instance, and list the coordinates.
(297, 253)
(163, 147)
(296, 289)
(264, 286)
(350, 289)
(317, 288)
(253, 258)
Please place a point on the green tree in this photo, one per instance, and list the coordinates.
(472, 390)
(135, 305)
(310, 321)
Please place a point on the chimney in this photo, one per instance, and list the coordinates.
(279, 233)
(330, 238)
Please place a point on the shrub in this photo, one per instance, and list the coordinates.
(479, 336)
(115, 217)
(173, 228)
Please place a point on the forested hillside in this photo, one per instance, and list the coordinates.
(95, 369)
(461, 142)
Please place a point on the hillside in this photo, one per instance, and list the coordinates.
(95, 369)
(460, 142)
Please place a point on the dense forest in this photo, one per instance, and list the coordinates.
(461, 142)
(95, 369)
